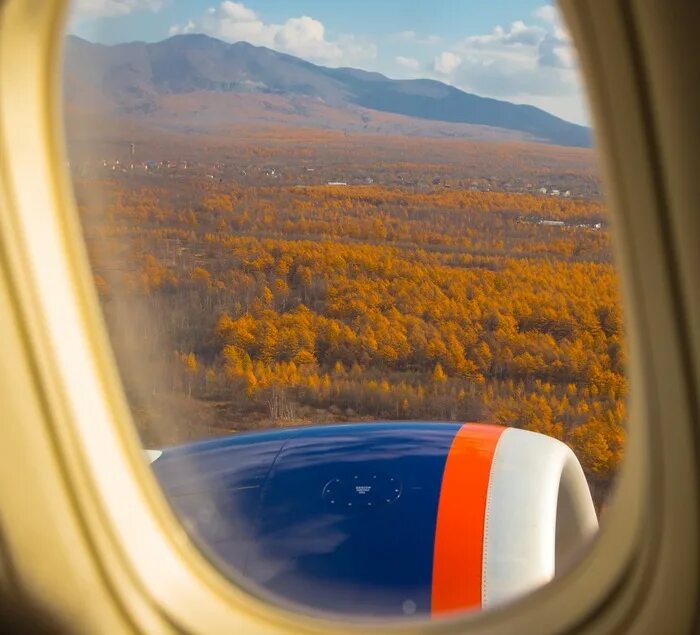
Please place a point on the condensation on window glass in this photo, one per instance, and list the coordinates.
(355, 264)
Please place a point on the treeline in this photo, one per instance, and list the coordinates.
(465, 223)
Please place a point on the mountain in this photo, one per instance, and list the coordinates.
(155, 79)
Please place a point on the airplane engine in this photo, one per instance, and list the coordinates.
(384, 519)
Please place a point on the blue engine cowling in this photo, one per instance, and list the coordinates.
(338, 518)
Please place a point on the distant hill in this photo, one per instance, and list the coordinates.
(201, 81)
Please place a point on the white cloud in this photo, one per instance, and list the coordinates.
(556, 51)
(410, 63)
(446, 63)
(180, 30)
(547, 13)
(86, 9)
(302, 36)
(239, 12)
(518, 34)
(520, 45)
(521, 62)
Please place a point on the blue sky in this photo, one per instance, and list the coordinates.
(516, 50)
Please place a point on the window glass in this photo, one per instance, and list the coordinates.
(355, 264)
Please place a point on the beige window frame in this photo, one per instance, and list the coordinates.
(84, 528)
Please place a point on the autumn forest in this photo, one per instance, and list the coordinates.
(442, 280)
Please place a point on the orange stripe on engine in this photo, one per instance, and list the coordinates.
(459, 531)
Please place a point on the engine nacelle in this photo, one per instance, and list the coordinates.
(384, 519)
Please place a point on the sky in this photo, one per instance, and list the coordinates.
(517, 50)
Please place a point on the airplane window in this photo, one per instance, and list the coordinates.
(359, 283)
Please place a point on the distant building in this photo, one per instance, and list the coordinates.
(542, 190)
(555, 193)
(552, 223)
(336, 183)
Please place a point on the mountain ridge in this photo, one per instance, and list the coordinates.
(134, 77)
